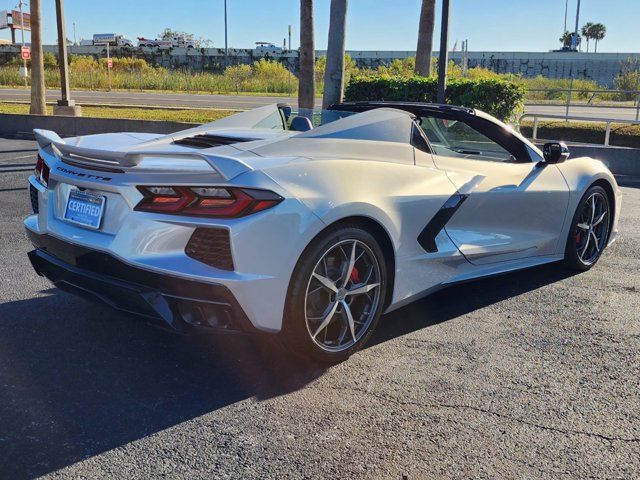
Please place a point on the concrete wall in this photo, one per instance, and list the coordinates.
(601, 67)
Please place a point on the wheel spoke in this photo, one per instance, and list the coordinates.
(593, 208)
(362, 289)
(583, 226)
(326, 320)
(325, 282)
(352, 262)
(596, 240)
(352, 326)
(584, 249)
(600, 218)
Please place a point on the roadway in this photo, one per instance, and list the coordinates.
(243, 102)
(529, 375)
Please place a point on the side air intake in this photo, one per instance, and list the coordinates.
(211, 246)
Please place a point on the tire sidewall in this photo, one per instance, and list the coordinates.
(295, 332)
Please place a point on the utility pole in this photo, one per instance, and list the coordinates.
(64, 106)
(289, 37)
(574, 40)
(444, 55)
(25, 72)
(38, 92)
(74, 34)
(226, 47)
(334, 71)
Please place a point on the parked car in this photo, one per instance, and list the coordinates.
(261, 223)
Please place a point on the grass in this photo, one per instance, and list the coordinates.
(171, 115)
(622, 135)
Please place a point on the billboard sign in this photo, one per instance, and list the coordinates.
(17, 17)
(13, 19)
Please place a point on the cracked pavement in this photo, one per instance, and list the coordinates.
(528, 375)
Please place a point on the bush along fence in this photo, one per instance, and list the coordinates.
(500, 98)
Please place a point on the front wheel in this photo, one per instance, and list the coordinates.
(336, 295)
(589, 231)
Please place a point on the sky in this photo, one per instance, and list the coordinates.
(489, 25)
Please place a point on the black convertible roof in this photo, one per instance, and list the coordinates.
(413, 107)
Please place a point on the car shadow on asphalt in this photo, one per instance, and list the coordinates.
(77, 379)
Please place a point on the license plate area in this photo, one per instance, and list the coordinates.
(86, 209)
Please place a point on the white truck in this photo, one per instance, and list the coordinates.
(113, 39)
(180, 41)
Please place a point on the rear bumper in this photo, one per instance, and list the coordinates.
(182, 304)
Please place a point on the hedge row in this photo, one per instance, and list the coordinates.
(499, 98)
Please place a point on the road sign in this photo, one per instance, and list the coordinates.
(109, 63)
(25, 53)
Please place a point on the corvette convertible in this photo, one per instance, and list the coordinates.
(309, 227)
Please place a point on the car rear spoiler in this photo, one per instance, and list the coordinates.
(227, 167)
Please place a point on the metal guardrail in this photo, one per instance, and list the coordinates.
(569, 91)
(608, 121)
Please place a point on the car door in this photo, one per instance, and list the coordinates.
(515, 205)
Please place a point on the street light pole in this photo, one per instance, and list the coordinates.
(24, 60)
(226, 47)
(566, 9)
(574, 40)
(444, 56)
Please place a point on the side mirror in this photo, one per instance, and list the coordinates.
(555, 152)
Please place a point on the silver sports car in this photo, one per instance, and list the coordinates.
(261, 222)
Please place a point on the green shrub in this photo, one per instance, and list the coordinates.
(629, 78)
(497, 97)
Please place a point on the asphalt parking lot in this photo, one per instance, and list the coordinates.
(528, 375)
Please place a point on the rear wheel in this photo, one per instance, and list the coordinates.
(589, 231)
(336, 295)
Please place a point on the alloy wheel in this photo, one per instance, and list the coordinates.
(592, 229)
(342, 296)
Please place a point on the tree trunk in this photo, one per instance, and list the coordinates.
(595, 47)
(307, 80)
(424, 51)
(38, 99)
(334, 73)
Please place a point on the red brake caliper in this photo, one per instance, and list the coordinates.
(578, 235)
(355, 276)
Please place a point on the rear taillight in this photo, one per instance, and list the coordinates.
(220, 202)
(41, 172)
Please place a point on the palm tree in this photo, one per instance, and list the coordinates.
(38, 100)
(598, 32)
(424, 50)
(306, 81)
(587, 32)
(566, 38)
(334, 73)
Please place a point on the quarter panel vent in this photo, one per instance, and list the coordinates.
(211, 246)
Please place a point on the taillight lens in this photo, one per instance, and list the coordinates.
(41, 172)
(216, 202)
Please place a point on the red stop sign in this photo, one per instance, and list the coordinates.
(25, 52)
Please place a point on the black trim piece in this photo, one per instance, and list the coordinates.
(33, 197)
(99, 276)
(208, 141)
(427, 237)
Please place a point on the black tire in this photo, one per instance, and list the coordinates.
(580, 240)
(296, 333)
